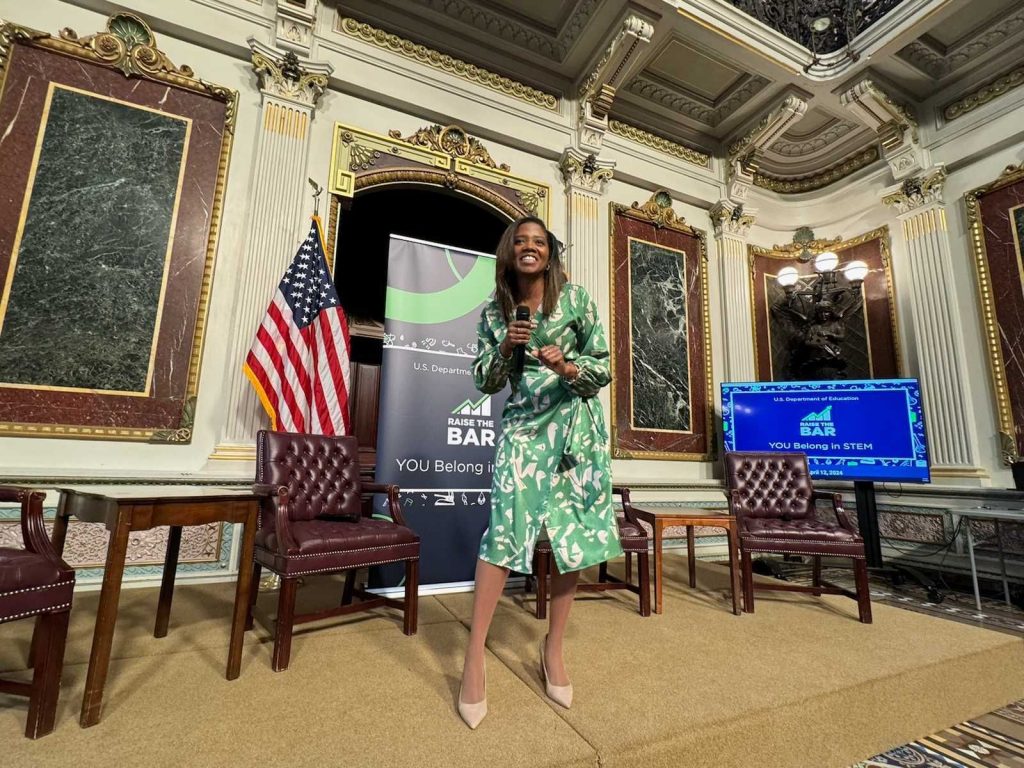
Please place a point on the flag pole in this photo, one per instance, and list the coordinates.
(317, 191)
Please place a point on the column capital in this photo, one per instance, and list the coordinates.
(283, 75)
(584, 172)
(731, 219)
(917, 192)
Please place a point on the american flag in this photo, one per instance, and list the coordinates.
(299, 362)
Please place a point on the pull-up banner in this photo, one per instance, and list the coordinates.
(436, 433)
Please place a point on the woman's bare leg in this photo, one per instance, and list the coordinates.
(563, 592)
(490, 583)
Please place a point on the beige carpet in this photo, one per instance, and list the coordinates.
(799, 683)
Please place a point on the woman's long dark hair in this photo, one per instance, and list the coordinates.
(506, 283)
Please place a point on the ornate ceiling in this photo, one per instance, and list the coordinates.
(712, 75)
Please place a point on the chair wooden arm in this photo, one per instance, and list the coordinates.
(627, 506)
(276, 497)
(33, 529)
(393, 506)
(837, 506)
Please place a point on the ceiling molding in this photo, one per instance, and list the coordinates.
(640, 136)
(554, 47)
(842, 169)
(984, 94)
(830, 134)
(689, 106)
(446, 63)
(937, 65)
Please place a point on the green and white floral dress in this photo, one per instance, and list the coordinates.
(545, 420)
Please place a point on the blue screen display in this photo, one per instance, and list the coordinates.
(850, 430)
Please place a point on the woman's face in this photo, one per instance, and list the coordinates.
(530, 249)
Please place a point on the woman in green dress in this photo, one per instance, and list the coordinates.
(552, 470)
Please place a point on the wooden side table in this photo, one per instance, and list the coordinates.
(667, 517)
(138, 508)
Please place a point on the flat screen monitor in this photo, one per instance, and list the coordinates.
(850, 430)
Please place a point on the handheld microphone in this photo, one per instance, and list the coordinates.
(519, 353)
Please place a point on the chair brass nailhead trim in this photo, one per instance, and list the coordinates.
(36, 589)
(361, 565)
(342, 552)
(53, 609)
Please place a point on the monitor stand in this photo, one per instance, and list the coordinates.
(867, 518)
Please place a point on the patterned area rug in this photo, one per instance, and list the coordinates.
(971, 744)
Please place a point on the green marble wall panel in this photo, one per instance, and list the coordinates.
(83, 305)
(660, 349)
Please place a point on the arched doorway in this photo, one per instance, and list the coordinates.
(364, 225)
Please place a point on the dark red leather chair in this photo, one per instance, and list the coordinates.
(773, 499)
(34, 581)
(634, 542)
(316, 519)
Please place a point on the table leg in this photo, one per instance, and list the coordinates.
(658, 531)
(60, 525)
(106, 618)
(163, 611)
(691, 558)
(974, 567)
(242, 594)
(1002, 564)
(734, 569)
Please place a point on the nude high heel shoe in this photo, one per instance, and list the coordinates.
(472, 714)
(560, 694)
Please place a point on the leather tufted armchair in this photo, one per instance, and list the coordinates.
(35, 582)
(635, 541)
(315, 518)
(773, 499)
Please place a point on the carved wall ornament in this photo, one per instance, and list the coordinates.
(452, 140)
(659, 143)
(917, 192)
(658, 210)
(616, 65)
(129, 45)
(283, 75)
(988, 92)
(585, 170)
(895, 125)
(805, 245)
(776, 122)
(446, 63)
(728, 218)
(842, 169)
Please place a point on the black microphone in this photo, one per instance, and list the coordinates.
(519, 352)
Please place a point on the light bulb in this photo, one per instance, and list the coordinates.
(821, 23)
(826, 262)
(856, 271)
(787, 277)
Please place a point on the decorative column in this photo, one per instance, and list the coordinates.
(952, 433)
(585, 180)
(278, 205)
(732, 223)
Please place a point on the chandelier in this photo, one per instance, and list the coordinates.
(818, 306)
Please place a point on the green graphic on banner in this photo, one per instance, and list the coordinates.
(455, 301)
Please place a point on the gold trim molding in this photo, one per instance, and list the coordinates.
(659, 143)
(1007, 427)
(979, 97)
(446, 63)
(443, 156)
(129, 45)
(840, 170)
(793, 251)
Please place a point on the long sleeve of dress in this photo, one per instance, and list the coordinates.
(490, 369)
(592, 360)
